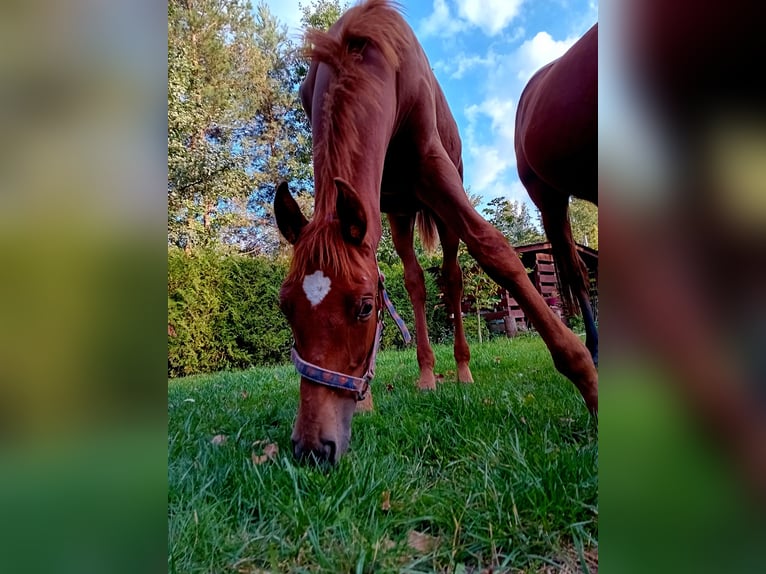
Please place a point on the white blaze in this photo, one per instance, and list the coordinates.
(316, 286)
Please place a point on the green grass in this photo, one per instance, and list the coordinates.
(501, 473)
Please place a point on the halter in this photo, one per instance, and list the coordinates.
(359, 385)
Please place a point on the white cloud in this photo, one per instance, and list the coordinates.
(535, 53)
(491, 158)
(487, 164)
(456, 67)
(492, 16)
(440, 22)
(501, 112)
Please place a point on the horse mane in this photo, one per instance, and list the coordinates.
(318, 248)
(338, 145)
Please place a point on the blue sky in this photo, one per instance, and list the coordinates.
(483, 52)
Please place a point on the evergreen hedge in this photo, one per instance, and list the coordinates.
(224, 311)
(224, 314)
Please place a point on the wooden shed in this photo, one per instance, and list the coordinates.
(507, 317)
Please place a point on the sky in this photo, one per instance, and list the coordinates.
(482, 53)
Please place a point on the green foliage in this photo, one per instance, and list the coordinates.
(514, 220)
(481, 291)
(500, 475)
(224, 311)
(235, 126)
(321, 14)
(583, 216)
(576, 323)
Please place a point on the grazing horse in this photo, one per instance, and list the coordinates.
(384, 140)
(556, 155)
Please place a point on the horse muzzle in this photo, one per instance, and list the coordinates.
(324, 451)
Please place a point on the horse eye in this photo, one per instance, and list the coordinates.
(365, 310)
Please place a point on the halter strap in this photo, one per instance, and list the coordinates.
(359, 385)
(394, 315)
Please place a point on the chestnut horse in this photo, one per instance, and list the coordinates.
(384, 140)
(556, 156)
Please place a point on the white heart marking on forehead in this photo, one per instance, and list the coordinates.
(316, 286)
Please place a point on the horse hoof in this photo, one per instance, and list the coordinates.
(428, 385)
(464, 375)
(427, 380)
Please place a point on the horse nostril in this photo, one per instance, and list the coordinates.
(324, 452)
(329, 449)
(297, 450)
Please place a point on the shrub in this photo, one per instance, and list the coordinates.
(224, 311)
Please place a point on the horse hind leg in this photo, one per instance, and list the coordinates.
(448, 200)
(573, 274)
(402, 231)
(453, 281)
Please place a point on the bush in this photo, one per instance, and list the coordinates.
(224, 312)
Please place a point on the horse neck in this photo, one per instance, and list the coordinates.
(365, 175)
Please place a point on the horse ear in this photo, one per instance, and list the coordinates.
(353, 219)
(290, 219)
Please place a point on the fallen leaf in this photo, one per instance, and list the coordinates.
(389, 387)
(269, 451)
(439, 377)
(219, 439)
(385, 544)
(530, 398)
(497, 360)
(385, 504)
(421, 541)
(244, 394)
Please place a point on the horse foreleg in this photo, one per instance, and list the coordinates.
(493, 253)
(453, 281)
(402, 227)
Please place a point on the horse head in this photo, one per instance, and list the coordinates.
(332, 300)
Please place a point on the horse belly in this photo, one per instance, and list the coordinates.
(558, 140)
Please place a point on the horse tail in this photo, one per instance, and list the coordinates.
(571, 271)
(426, 224)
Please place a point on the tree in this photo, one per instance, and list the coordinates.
(583, 216)
(234, 121)
(514, 220)
(286, 137)
(321, 14)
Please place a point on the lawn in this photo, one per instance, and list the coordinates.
(498, 476)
